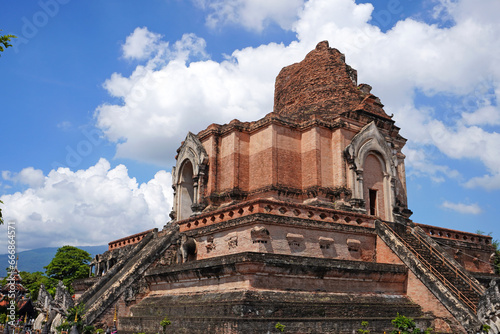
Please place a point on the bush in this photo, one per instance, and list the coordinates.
(89, 329)
(405, 325)
(280, 327)
(485, 328)
(364, 328)
(65, 326)
(164, 323)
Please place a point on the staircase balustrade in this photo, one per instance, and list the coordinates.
(438, 273)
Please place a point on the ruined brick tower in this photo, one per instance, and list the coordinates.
(328, 143)
(300, 218)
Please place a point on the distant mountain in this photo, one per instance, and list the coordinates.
(35, 259)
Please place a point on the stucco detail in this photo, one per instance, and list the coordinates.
(191, 155)
(369, 141)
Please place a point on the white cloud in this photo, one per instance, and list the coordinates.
(418, 163)
(161, 105)
(488, 182)
(87, 207)
(29, 176)
(6, 175)
(484, 116)
(471, 209)
(141, 44)
(251, 14)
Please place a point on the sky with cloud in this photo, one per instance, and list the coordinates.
(97, 96)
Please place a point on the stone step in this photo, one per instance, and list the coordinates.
(136, 265)
(259, 311)
(438, 264)
(326, 325)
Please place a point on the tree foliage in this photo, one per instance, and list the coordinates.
(364, 328)
(32, 282)
(68, 264)
(405, 325)
(77, 312)
(165, 322)
(5, 43)
(280, 327)
(485, 328)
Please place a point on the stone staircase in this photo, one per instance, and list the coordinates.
(126, 272)
(454, 277)
(91, 294)
(459, 291)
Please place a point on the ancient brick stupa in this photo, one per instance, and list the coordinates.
(299, 218)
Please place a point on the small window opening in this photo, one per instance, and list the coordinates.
(373, 201)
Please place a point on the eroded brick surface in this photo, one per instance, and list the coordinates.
(322, 85)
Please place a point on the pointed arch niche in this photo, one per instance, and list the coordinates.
(372, 172)
(373, 184)
(185, 190)
(188, 178)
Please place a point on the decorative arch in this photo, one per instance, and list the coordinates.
(187, 178)
(373, 184)
(370, 144)
(185, 190)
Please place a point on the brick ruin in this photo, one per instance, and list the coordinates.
(300, 218)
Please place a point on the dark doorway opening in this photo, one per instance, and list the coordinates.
(373, 201)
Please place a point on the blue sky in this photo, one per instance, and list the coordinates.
(97, 95)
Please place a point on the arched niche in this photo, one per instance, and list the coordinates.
(374, 184)
(185, 190)
(371, 167)
(188, 178)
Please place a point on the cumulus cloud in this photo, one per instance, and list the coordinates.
(180, 91)
(471, 209)
(160, 105)
(29, 176)
(251, 14)
(141, 44)
(86, 207)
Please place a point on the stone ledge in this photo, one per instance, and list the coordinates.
(280, 220)
(292, 211)
(259, 311)
(263, 271)
(280, 260)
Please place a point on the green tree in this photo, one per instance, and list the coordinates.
(32, 282)
(68, 264)
(4, 44)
